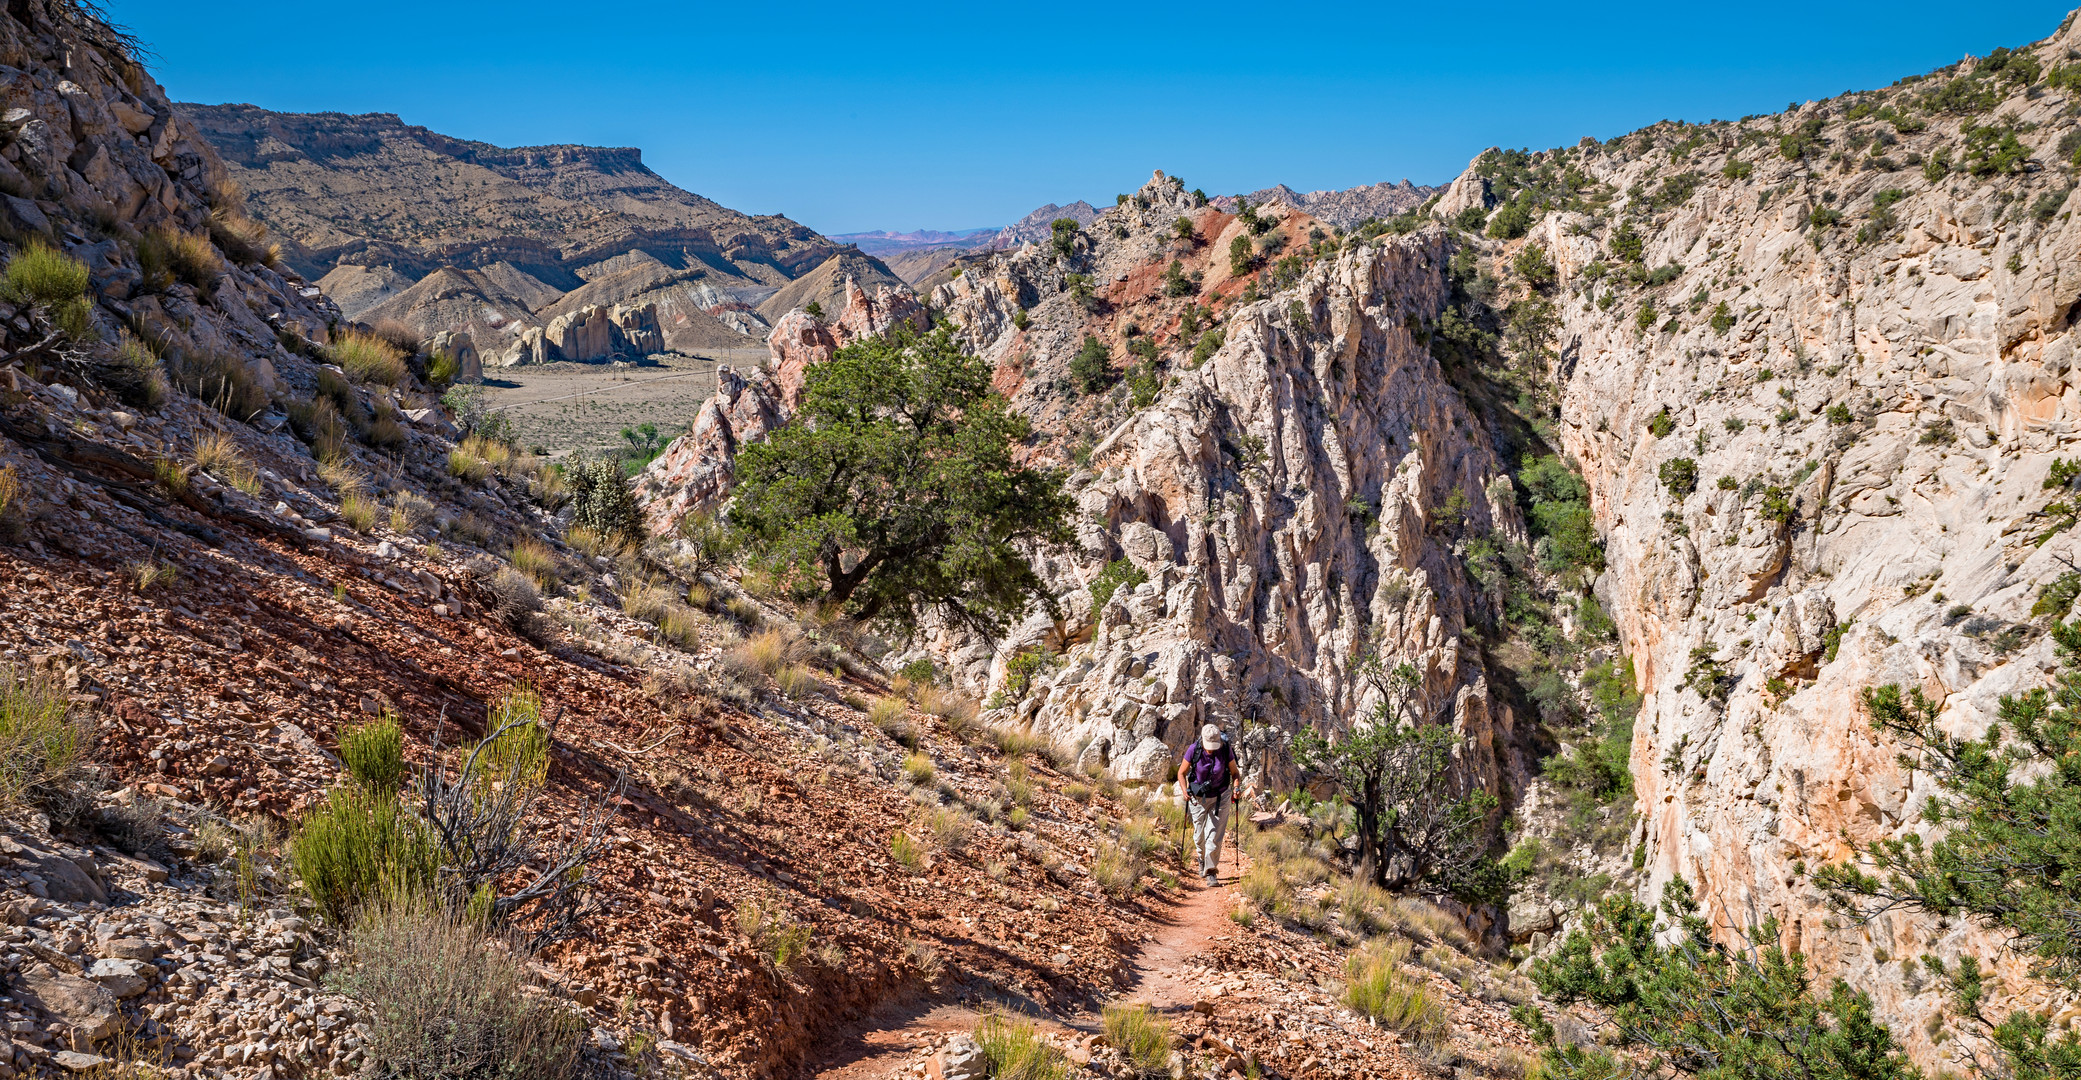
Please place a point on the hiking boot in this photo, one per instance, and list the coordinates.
(1213, 879)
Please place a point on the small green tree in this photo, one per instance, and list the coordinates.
(1692, 1008)
(1532, 265)
(1062, 236)
(1092, 367)
(1242, 256)
(1420, 824)
(896, 486)
(2008, 807)
(1182, 228)
(1175, 283)
(1680, 476)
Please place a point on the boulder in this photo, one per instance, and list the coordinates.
(65, 880)
(1149, 762)
(584, 334)
(87, 1007)
(459, 345)
(122, 977)
(961, 1060)
(636, 327)
(1530, 915)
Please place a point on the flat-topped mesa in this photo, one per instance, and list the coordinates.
(695, 471)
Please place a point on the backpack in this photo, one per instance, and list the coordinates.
(1209, 774)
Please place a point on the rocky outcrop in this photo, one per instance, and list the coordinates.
(1342, 208)
(590, 333)
(458, 345)
(1282, 502)
(694, 472)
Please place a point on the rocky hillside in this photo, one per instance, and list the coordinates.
(442, 234)
(1813, 369)
(244, 547)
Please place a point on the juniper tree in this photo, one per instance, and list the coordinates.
(1694, 1008)
(2006, 844)
(1421, 826)
(896, 491)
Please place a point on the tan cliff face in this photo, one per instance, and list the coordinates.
(1905, 385)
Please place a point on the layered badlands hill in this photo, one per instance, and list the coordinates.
(1854, 319)
(400, 222)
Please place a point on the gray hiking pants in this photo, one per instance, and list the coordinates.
(1209, 821)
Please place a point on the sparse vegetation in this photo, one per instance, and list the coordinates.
(1141, 1036)
(43, 745)
(449, 999)
(1378, 987)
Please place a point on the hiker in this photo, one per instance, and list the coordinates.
(1206, 780)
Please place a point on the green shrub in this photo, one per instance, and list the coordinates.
(1722, 319)
(44, 277)
(374, 753)
(1118, 573)
(1559, 510)
(1022, 669)
(1063, 236)
(360, 845)
(1140, 1035)
(1680, 476)
(1175, 283)
(918, 769)
(1627, 243)
(1664, 274)
(1092, 367)
(43, 747)
(1737, 169)
(1242, 256)
(1514, 218)
(1661, 424)
(1532, 265)
(1014, 1050)
(446, 999)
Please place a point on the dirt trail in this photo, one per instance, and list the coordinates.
(885, 1046)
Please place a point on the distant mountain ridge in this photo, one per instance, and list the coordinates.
(399, 221)
(889, 243)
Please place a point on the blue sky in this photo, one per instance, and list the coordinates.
(856, 116)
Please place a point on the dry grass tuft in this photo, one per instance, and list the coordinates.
(218, 454)
(1379, 988)
(797, 682)
(359, 512)
(533, 558)
(368, 358)
(765, 653)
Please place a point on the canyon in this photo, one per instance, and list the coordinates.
(1667, 446)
